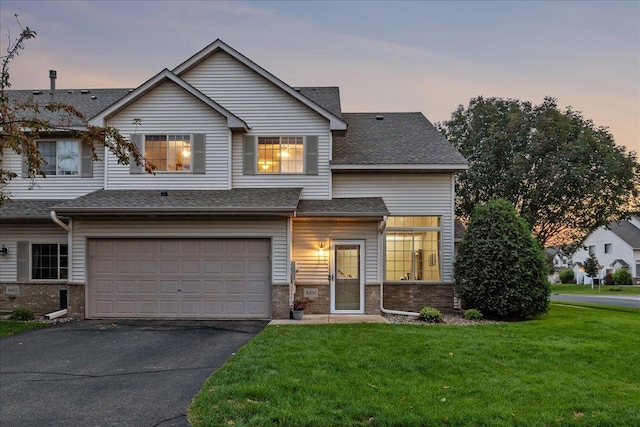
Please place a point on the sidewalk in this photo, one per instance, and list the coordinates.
(319, 319)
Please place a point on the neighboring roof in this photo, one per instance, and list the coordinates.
(12, 210)
(89, 102)
(233, 121)
(328, 97)
(622, 263)
(627, 232)
(401, 140)
(335, 123)
(346, 207)
(578, 263)
(253, 201)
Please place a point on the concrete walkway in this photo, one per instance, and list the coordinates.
(319, 319)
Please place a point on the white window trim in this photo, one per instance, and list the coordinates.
(413, 230)
(78, 173)
(167, 134)
(304, 155)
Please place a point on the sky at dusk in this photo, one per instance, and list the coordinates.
(385, 56)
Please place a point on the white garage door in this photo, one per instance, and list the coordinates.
(179, 278)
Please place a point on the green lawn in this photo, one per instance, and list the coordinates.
(586, 289)
(9, 328)
(575, 366)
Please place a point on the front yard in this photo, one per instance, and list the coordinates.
(575, 366)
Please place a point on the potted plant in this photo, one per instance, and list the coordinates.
(298, 306)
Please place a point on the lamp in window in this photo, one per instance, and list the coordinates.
(4, 251)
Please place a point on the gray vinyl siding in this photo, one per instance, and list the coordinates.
(53, 186)
(12, 234)
(168, 109)
(408, 195)
(276, 230)
(313, 268)
(269, 112)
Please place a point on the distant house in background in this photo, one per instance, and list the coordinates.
(560, 262)
(616, 246)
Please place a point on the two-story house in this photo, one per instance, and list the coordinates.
(263, 192)
(616, 246)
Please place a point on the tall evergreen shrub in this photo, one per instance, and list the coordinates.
(500, 268)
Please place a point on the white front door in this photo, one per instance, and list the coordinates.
(347, 277)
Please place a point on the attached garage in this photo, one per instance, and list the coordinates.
(179, 278)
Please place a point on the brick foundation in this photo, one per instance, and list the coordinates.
(413, 297)
(42, 298)
(321, 304)
(280, 301)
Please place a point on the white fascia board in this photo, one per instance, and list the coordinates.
(233, 121)
(434, 167)
(335, 123)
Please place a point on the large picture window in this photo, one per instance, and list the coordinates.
(413, 248)
(49, 262)
(284, 154)
(61, 157)
(169, 153)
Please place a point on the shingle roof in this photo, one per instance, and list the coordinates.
(627, 232)
(328, 97)
(345, 207)
(253, 201)
(399, 138)
(622, 263)
(26, 209)
(89, 104)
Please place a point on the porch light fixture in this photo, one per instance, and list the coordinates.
(4, 251)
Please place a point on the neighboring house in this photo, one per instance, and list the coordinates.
(615, 246)
(263, 193)
(559, 260)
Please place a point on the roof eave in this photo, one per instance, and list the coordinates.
(453, 167)
(370, 215)
(170, 211)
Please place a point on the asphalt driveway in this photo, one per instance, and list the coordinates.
(112, 373)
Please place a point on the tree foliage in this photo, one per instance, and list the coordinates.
(500, 268)
(564, 175)
(22, 123)
(591, 266)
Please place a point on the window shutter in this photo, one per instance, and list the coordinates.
(86, 161)
(311, 155)
(197, 154)
(249, 155)
(133, 167)
(22, 260)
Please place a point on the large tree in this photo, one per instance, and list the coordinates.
(22, 123)
(564, 175)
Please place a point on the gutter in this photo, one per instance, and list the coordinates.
(58, 221)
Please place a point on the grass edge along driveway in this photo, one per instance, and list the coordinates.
(574, 366)
(8, 327)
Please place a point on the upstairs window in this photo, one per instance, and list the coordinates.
(284, 154)
(49, 261)
(61, 157)
(168, 153)
(592, 250)
(607, 248)
(413, 248)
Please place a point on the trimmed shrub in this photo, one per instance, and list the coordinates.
(431, 315)
(500, 268)
(567, 276)
(472, 314)
(22, 315)
(622, 277)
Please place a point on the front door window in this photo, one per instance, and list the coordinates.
(347, 292)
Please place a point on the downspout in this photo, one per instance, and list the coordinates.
(382, 229)
(57, 220)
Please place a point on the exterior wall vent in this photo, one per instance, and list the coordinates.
(379, 117)
(85, 91)
(36, 92)
(164, 193)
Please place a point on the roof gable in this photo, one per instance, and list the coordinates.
(233, 122)
(335, 122)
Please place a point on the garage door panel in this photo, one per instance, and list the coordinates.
(174, 278)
